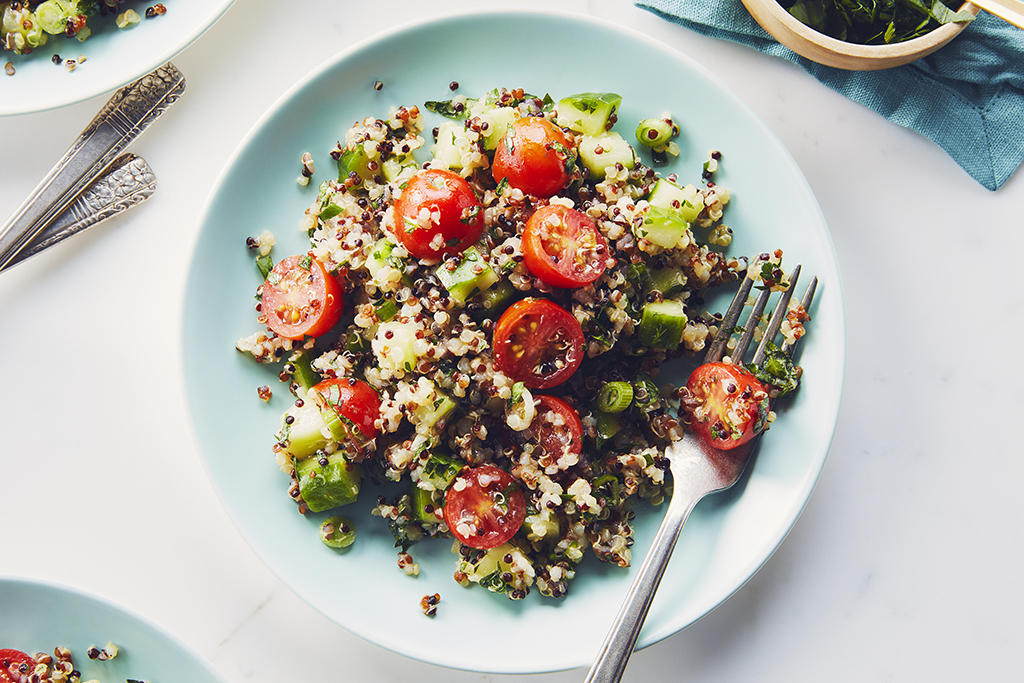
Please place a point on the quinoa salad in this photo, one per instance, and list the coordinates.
(40, 667)
(480, 321)
(63, 26)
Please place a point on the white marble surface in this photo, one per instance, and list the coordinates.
(904, 565)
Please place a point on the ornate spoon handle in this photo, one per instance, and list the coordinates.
(128, 181)
(125, 116)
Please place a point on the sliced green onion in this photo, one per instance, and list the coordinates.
(615, 397)
(338, 532)
(386, 309)
(654, 132)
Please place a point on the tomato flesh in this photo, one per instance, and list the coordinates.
(351, 399)
(484, 507)
(14, 658)
(437, 214)
(731, 405)
(538, 343)
(534, 156)
(563, 247)
(558, 428)
(300, 298)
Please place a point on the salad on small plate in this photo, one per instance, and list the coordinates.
(59, 52)
(63, 630)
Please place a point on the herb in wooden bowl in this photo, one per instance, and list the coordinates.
(874, 22)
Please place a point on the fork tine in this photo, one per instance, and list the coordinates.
(725, 329)
(778, 315)
(750, 326)
(787, 347)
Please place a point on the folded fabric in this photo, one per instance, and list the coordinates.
(968, 97)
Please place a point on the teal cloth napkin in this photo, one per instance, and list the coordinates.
(968, 97)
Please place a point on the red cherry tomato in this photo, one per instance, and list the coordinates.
(538, 343)
(353, 400)
(732, 405)
(15, 658)
(563, 247)
(534, 156)
(436, 214)
(301, 298)
(557, 427)
(484, 507)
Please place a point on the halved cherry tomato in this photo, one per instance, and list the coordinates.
(538, 343)
(353, 400)
(534, 156)
(436, 214)
(563, 247)
(301, 298)
(484, 507)
(732, 405)
(557, 427)
(16, 658)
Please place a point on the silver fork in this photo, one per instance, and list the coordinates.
(697, 470)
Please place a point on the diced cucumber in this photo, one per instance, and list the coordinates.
(543, 525)
(354, 160)
(395, 346)
(499, 120)
(429, 414)
(440, 470)
(302, 434)
(328, 486)
(686, 200)
(53, 15)
(394, 166)
(598, 152)
(589, 113)
(470, 276)
(381, 254)
(427, 505)
(446, 149)
(669, 281)
(672, 209)
(662, 324)
(664, 227)
(356, 342)
(302, 369)
(491, 560)
(608, 426)
(496, 299)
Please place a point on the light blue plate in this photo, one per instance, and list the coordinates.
(728, 537)
(114, 57)
(37, 617)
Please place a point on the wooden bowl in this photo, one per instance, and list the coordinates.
(829, 51)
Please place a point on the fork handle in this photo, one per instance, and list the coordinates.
(618, 646)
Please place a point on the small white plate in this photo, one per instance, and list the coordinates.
(728, 537)
(114, 57)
